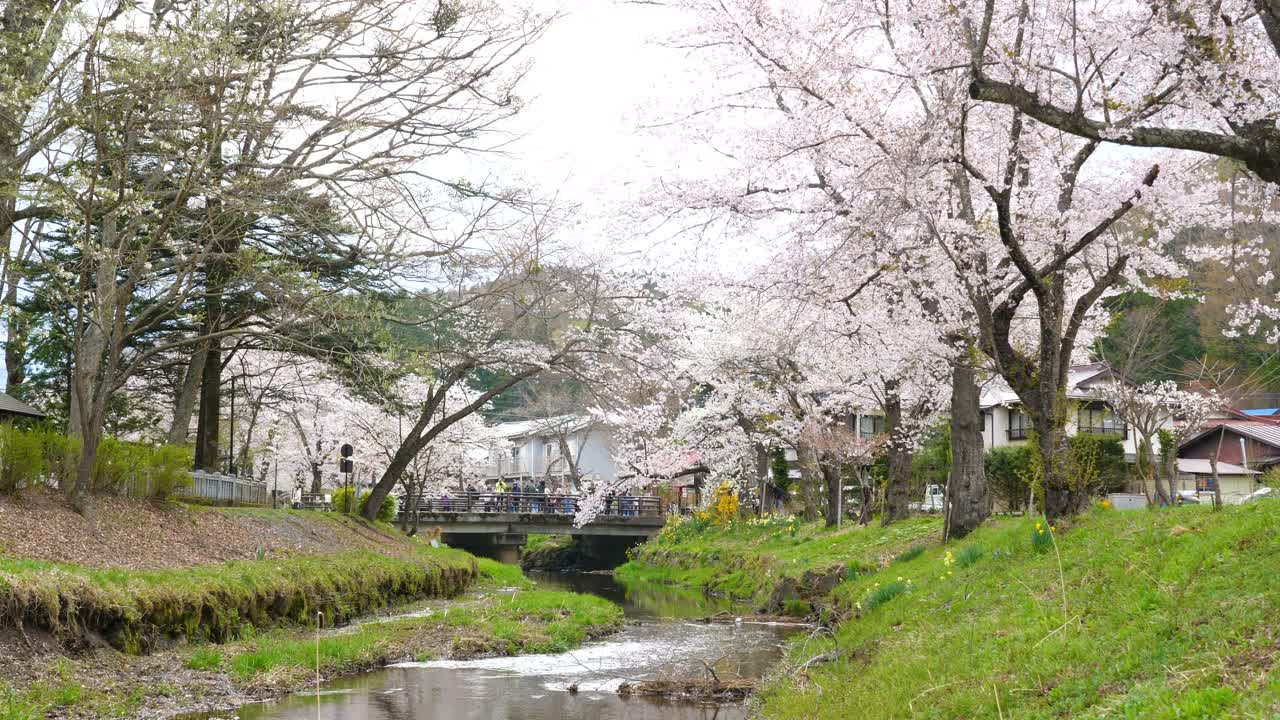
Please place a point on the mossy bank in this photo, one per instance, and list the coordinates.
(502, 614)
(140, 611)
(155, 640)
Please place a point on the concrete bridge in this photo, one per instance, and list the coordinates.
(497, 525)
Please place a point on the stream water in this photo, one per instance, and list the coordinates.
(663, 641)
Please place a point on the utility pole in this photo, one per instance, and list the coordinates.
(231, 455)
(275, 488)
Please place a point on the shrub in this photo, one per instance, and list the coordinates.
(386, 513)
(62, 457)
(168, 467)
(342, 503)
(155, 470)
(341, 500)
(724, 507)
(22, 461)
(1008, 469)
(1098, 461)
(780, 470)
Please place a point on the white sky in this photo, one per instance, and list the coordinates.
(599, 74)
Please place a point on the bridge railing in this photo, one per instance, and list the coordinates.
(535, 503)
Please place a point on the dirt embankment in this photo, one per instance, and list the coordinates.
(136, 534)
(111, 605)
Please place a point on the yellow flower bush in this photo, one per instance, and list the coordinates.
(724, 507)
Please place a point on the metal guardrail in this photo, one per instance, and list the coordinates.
(533, 503)
(217, 487)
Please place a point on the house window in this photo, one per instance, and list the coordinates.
(1101, 420)
(1018, 424)
(1204, 483)
(869, 425)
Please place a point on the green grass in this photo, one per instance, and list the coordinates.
(205, 658)
(1155, 614)
(539, 542)
(57, 694)
(222, 601)
(545, 551)
(534, 621)
(501, 575)
(748, 559)
(909, 554)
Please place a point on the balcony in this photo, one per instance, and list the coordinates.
(1105, 429)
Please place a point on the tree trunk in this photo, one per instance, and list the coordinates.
(810, 477)
(210, 415)
(15, 346)
(868, 498)
(831, 478)
(1061, 497)
(897, 492)
(968, 501)
(317, 477)
(184, 405)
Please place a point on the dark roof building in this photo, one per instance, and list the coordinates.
(11, 408)
(1253, 445)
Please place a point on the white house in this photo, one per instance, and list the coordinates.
(1004, 422)
(548, 449)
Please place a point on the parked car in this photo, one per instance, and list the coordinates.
(1261, 493)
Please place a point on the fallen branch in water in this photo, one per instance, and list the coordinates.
(717, 690)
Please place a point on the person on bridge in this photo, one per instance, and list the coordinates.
(444, 502)
(542, 496)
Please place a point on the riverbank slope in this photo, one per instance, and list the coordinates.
(167, 631)
(776, 565)
(1169, 613)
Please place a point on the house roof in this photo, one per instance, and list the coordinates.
(541, 426)
(1264, 432)
(13, 406)
(1200, 466)
(1263, 412)
(1081, 382)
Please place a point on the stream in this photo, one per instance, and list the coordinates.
(659, 641)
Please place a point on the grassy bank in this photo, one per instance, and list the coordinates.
(777, 565)
(531, 621)
(547, 552)
(1141, 614)
(136, 610)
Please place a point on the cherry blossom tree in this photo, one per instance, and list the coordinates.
(870, 157)
(1199, 77)
(1160, 406)
(1203, 77)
